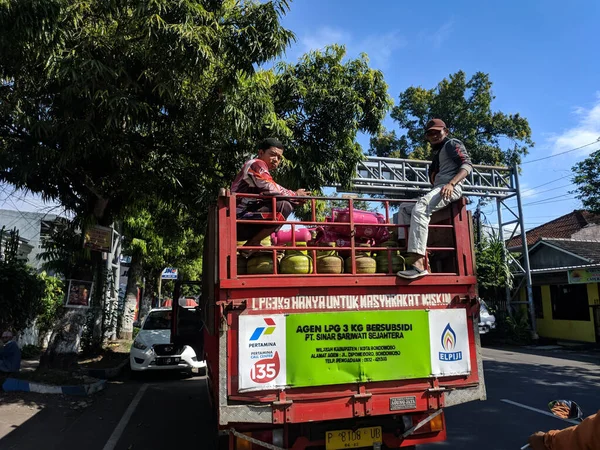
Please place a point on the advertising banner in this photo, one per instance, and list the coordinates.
(353, 347)
(324, 348)
(449, 342)
(262, 352)
(581, 276)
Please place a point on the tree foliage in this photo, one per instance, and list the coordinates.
(52, 302)
(102, 104)
(493, 272)
(21, 290)
(587, 179)
(491, 137)
(325, 101)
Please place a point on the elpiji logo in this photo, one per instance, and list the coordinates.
(260, 331)
(449, 344)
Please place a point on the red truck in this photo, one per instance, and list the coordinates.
(345, 360)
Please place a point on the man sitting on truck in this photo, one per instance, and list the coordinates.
(450, 166)
(255, 178)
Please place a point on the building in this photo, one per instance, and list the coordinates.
(578, 224)
(32, 228)
(564, 256)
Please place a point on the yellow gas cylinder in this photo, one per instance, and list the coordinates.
(364, 262)
(382, 258)
(296, 261)
(328, 261)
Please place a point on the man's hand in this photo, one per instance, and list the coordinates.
(447, 191)
(536, 441)
(301, 193)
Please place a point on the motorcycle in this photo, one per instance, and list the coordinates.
(566, 410)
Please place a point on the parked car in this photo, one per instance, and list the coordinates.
(152, 348)
(487, 321)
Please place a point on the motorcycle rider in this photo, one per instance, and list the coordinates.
(585, 436)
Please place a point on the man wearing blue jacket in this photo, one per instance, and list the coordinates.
(10, 354)
(450, 166)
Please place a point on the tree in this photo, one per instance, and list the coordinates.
(587, 179)
(96, 97)
(491, 137)
(157, 237)
(324, 102)
(493, 272)
(21, 290)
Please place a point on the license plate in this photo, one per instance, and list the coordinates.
(167, 361)
(363, 437)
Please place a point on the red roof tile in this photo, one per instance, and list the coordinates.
(561, 227)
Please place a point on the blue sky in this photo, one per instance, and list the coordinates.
(541, 55)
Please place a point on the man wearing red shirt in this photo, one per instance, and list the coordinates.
(255, 178)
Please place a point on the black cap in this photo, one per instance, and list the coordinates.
(270, 142)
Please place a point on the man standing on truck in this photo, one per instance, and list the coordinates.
(450, 166)
(255, 178)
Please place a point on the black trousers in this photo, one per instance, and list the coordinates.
(246, 231)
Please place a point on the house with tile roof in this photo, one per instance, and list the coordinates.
(564, 256)
(579, 224)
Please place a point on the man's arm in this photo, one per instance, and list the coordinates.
(458, 153)
(585, 436)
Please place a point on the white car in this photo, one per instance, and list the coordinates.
(487, 321)
(152, 348)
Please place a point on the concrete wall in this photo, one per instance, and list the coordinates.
(572, 330)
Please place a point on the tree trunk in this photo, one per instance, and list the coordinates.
(64, 343)
(98, 302)
(133, 280)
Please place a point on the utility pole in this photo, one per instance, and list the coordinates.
(478, 224)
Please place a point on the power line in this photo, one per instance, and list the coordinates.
(544, 184)
(545, 202)
(548, 190)
(562, 153)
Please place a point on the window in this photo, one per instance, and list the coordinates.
(158, 320)
(570, 302)
(537, 302)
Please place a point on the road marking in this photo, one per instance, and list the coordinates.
(541, 411)
(116, 435)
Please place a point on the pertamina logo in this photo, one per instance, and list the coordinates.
(449, 344)
(267, 368)
(263, 331)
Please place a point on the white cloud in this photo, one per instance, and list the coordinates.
(442, 34)
(527, 192)
(439, 36)
(586, 131)
(380, 48)
(323, 37)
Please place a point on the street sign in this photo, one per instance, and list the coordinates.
(170, 273)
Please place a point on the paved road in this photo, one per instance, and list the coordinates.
(529, 379)
(169, 410)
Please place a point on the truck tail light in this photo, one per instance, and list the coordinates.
(434, 425)
(243, 444)
(264, 436)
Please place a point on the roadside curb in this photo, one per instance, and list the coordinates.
(106, 374)
(16, 385)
